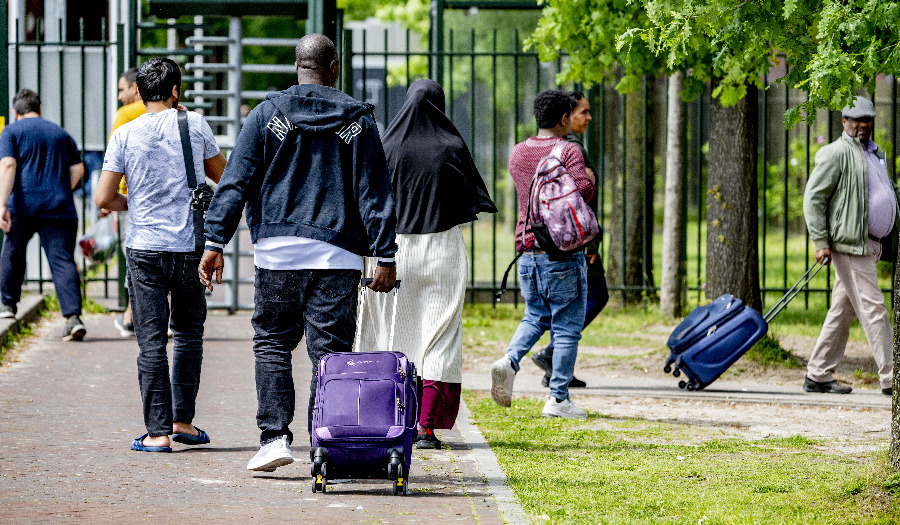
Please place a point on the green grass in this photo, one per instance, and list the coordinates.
(769, 352)
(14, 338)
(630, 471)
(777, 270)
(88, 305)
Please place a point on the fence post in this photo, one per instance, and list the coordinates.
(4, 63)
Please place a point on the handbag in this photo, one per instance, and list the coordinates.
(201, 194)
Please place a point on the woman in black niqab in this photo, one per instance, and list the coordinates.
(436, 183)
(437, 188)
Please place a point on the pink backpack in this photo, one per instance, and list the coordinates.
(561, 221)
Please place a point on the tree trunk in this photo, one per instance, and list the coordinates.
(895, 419)
(671, 286)
(732, 239)
(627, 218)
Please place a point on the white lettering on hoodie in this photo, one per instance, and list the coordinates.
(349, 131)
(279, 128)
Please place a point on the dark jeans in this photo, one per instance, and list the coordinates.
(289, 303)
(58, 240)
(154, 276)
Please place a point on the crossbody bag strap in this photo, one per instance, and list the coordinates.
(186, 149)
(199, 238)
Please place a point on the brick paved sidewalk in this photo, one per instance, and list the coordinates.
(69, 411)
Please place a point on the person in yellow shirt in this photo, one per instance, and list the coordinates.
(132, 108)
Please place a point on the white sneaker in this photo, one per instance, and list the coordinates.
(565, 408)
(271, 456)
(502, 377)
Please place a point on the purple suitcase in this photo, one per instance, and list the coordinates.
(365, 416)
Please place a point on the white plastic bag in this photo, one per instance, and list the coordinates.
(100, 242)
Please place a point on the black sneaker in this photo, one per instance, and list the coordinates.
(828, 387)
(428, 441)
(544, 360)
(574, 383)
(889, 391)
(74, 330)
(7, 312)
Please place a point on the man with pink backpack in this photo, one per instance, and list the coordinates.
(552, 188)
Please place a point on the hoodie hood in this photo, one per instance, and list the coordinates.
(317, 109)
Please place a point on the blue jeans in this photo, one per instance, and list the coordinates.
(152, 277)
(320, 304)
(597, 297)
(58, 240)
(555, 295)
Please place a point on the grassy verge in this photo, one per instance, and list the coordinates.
(88, 305)
(639, 472)
(14, 339)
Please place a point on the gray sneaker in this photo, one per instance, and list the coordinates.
(7, 312)
(74, 330)
(272, 455)
(502, 377)
(125, 329)
(565, 408)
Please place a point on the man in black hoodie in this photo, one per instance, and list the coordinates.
(310, 169)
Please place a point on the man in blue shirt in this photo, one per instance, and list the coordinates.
(39, 166)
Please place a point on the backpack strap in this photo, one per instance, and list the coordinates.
(199, 237)
(506, 275)
(557, 150)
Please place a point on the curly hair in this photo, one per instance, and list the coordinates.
(550, 106)
(156, 77)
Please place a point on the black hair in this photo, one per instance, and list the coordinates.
(576, 96)
(550, 106)
(156, 77)
(130, 76)
(315, 51)
(26, 101)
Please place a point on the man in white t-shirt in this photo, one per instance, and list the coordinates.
(161, 253)
(310, 170)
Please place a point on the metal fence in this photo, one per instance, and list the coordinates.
(75, 80)
(490, 83)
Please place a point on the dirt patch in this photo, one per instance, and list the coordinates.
(839, 430)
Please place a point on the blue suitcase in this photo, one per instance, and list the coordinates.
(713, 336)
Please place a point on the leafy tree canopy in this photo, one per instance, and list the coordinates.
(833, 47)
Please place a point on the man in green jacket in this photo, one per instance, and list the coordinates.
(851, 206)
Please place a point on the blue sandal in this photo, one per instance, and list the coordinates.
(138, 444)
(188, 439)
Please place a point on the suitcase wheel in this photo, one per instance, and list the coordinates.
(320, 478)
(667, 368)
(395, 465)
(319, 483)
(691, 386)
(401, 487)
(682, 383)
(676, 373)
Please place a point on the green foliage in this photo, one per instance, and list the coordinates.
(588, 31)
(833, 47)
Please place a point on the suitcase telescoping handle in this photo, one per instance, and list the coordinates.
(794, 290)
(362, 304)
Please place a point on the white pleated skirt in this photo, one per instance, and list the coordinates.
(433, 270)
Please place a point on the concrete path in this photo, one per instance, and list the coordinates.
(69, 411)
